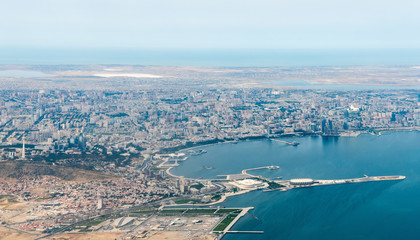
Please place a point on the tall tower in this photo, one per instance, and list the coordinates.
(23, 148)
(100, 203)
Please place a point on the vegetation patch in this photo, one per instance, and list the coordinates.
(19, 169)
(9, 198)
(274, 185)
(201, 211)
(86, 225)
(143, 210)
(197, 186)
(187, 200)
(225, 222)
(172, 211)
(216, 197)
(229, 210)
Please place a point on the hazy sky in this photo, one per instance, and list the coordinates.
(210, 24)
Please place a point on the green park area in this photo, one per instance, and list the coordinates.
(225, 222)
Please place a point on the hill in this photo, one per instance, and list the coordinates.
(19, 169)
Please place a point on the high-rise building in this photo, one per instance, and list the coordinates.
(100, 203)
(23, 148)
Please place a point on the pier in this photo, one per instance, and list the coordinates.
(248, 232)
(268, 167)
(241, 214)
(244, 174)
(307, 182)
(228, 227)
(286, 142)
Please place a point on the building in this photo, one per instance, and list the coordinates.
(100, 204)
(248, 184)
(302, 181)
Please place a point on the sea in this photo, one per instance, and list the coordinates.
(373, 210)
(211, 57)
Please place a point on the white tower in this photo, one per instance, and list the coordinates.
(100, 204)
(23, 148)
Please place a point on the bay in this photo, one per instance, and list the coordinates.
(375, 210)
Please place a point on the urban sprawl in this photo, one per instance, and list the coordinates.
(126, 140)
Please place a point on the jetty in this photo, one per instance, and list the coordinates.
(248, 232)
(228, 227)
(286, 142)
(308, 182)
(268, 167)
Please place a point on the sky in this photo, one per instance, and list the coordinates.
(179, 24)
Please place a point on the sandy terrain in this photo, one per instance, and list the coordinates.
(172, 235)
(86, 236)
(8, 234)
(135, 75)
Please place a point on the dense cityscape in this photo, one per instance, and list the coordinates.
(127, 123)
(209, 120)
(72, 155)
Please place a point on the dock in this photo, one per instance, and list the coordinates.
(307, 182)
(228, 227)
(241, 214)
(286, 142)
(247, 232)
(268, 167)
(244, 174)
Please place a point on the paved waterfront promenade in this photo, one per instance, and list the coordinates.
(295, 183)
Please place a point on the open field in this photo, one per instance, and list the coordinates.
(177, 235)
(86, 236)
(9, 234)
(149, 77)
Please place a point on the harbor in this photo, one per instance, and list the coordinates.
(335, 183)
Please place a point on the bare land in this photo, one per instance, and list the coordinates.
(89, 77)
(18, 169)
(9, 234)
(171, 235)
(86, 236)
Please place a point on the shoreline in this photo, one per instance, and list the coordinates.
(225, 196)
(402, 129)
(222, 199)
(354, 133)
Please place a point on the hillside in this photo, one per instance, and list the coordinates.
(18, 169)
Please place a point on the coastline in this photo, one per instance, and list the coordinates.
(354, 133)
(225, 196)
(222, 199)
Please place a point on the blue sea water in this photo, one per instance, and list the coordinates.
(375, 210)
(212, 57)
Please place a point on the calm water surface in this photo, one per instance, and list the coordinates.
(212, 57)
(376, 210)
